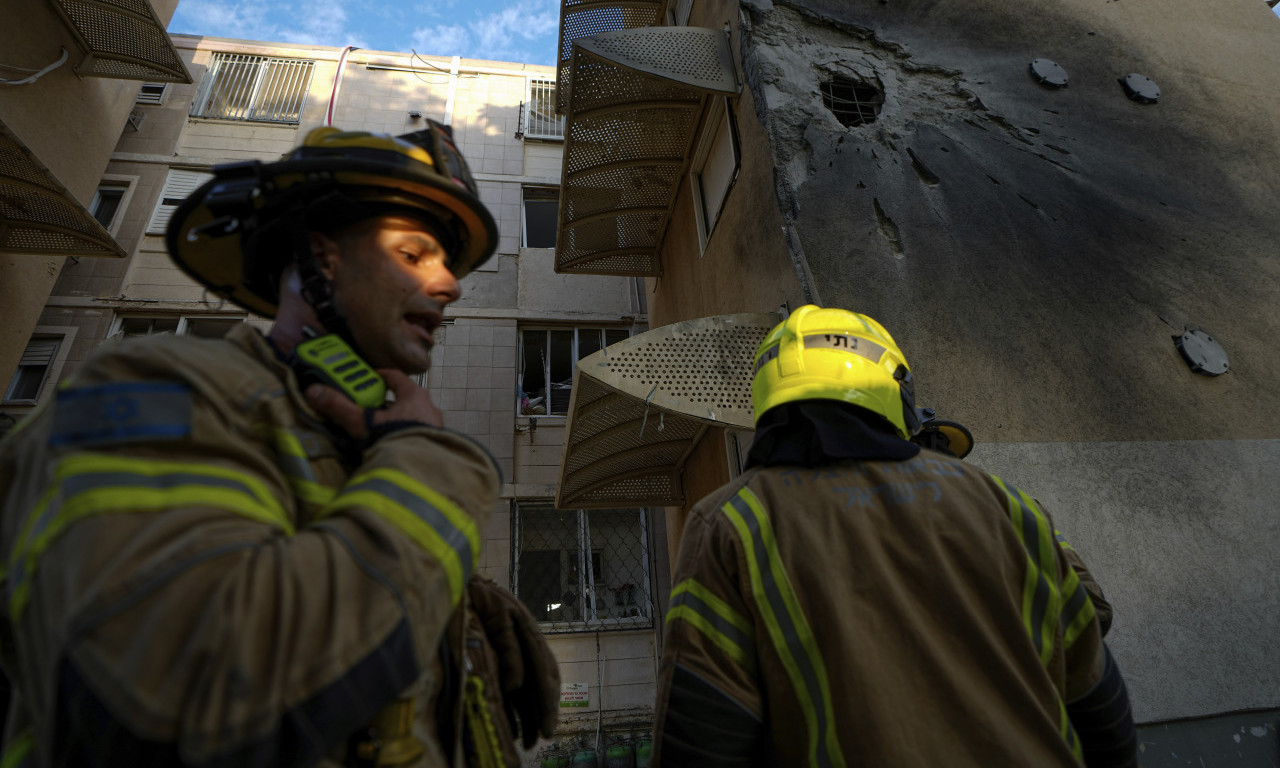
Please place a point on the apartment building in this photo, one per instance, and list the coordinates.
(503, 363)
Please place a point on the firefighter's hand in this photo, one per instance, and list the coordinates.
(412, 405)
(528, 671)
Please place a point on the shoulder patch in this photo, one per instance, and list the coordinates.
(121, 413)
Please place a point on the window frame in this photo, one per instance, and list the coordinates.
(298, 81)
(557, 122)
(644, 605)
(151, 98)
(546, 366)
(63, 336)
(524, 212)
(182, 328)
(113, 181)
(720, 124)
(179, 183)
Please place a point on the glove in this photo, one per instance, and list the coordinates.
(528, 672)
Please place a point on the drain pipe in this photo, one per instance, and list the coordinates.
(337, 84)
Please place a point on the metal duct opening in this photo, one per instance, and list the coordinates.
(634, 106)
(641, 405)
(38, 216)
(122, 39)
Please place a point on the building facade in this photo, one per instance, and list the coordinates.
(1063, 216)
(503, 362)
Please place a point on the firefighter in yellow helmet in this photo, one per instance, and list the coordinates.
(241, 551)
(854, 599)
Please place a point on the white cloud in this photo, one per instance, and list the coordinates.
(247, 19)
(521, 31)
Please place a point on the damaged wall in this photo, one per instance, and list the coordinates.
(1034, 250)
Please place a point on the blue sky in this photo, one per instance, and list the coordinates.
(501, 30)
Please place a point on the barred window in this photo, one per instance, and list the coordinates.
(257, 88)
(582, 569)
(540, 118)
(547, 360)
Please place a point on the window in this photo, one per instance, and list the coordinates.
(582, 569)
(33, 370)
(540, 118)
(207, 326)
(715, 168)
(152, 93)
(539, 220)
(177, 186)
(547, 359)
(106, 204)
(258, 88)
(853, 102)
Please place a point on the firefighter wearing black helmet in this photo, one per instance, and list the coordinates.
(244, 551)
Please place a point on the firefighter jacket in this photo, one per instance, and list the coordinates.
(196, 574)
(882, 606)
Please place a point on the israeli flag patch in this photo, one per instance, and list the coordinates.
(126, 412)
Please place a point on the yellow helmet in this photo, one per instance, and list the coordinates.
(834, 354)
(237, 232)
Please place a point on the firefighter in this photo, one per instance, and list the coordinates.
(852, 599)
(243, 551)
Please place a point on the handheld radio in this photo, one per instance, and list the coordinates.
(331, 361)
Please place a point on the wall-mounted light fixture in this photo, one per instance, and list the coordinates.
(414, 114)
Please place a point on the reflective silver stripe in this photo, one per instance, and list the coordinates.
(425, 511)
(845, 343)
(769, 354)
(790, 633)
(732, 633)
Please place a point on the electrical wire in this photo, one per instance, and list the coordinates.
(37, 74)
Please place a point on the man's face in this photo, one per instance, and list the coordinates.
(391, 283)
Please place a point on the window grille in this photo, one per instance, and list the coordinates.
(177, 186)
(256, 88)
(547, 360)
(582, 570)
(541, 120)
(33, 368)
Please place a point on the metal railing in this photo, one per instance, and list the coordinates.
(541, 120)
(254, 88)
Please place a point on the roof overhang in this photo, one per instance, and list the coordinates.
(639, 407)
(584, 18)
(122, 39)
(635, 100)
(38, 216)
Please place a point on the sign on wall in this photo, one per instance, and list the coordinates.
(574, 695)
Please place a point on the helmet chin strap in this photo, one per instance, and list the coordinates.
(317, 291)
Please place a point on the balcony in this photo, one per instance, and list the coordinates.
(122, 39)
(634, 103)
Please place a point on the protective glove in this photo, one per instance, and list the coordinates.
(529, 674)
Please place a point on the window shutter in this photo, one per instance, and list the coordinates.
(177, 187)
(151, 93)
(39, 353)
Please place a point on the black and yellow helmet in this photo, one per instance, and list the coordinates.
(237, 232)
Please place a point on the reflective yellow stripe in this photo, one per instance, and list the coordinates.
(16, 754)
(788, 628)
(1041, 601)
(88, 484)
(1077, 609)
(1069, 732)
(434, 523)
(297, 467)
(694, 603)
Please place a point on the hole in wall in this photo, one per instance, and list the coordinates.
(853, 102)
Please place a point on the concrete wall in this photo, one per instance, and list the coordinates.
(1035, 250)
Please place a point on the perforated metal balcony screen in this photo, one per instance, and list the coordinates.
(640, 406)
(634, 105)
(584, 18)
(38, 216)
(122, 39)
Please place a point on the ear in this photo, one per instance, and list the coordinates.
(327, 253)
